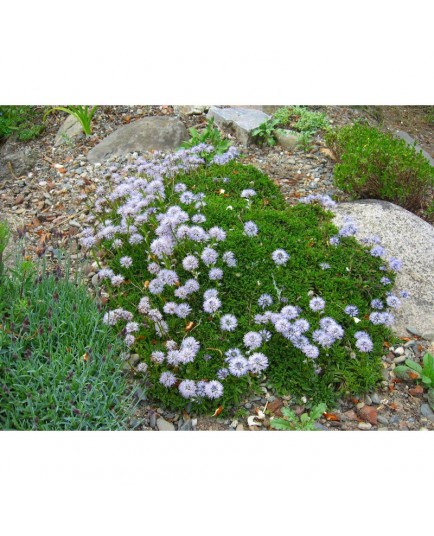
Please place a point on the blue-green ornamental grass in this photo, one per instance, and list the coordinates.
(218, 285)
(60, 366)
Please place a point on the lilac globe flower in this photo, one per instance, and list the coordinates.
(182, 310)
(317, 304)
(280, 257)
(395, 264)
(222, 373)
(250, 228)
(258, 362)
(126, 262)
(229, 259)
(187, 388)
(252, 340)
(265, 300)
(209, 256)
(364, 344)
(377, 304)
(215, 274)
(238, 366)
(158, 356)
(214, 389)
(351, 310)
(393, 301)
(228, 322)
(211, 305)
(167, 379)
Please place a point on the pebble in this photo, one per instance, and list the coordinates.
(153, 420)
(382, 419)
(239, 428)
(364, 426)
(248, 405)
(375, 398)
(399, 351)
(187, 426)
(164, 426)
(400, 359)
(360, 405)
(413, 331)
(234, 424)
(368, 400)
(427, 412)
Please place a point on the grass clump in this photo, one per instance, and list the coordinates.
(59, 364)
(375, 165)
(218, 285)
(24, 121)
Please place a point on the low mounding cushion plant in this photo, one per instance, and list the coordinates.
(218, 285)
(375, 165)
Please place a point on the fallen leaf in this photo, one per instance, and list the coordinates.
(413, 375)
(386, 344)
(218, 411)
(146, 284)
(189, 326)
(393, 406)
(328, 152)
(86, 356)
(331, 417)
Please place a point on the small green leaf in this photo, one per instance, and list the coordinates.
(413, 365)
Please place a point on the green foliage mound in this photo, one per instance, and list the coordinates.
(341, 274)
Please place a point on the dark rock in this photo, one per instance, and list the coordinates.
(17, 156)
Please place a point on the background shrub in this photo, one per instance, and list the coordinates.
(25, 121)
(375, 165)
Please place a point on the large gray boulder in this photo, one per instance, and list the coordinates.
(238, 121)
(16, 159)
(147, 134)
(410, 239)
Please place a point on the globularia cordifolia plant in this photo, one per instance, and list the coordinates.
(217, 285)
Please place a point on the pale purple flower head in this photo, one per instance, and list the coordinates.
(393, 301)
(377, 304)
(258, 362)
(324, 265)
(182, 310)
(289, 312)
(132, 327)
(228, 322)
(214, 389)
(385, 281)
(364, 343)
(215, 274)
(210, 293)
(156, 286)
(126, 262)
(217, 233)
(265, 334)
(157, 356)
(311, 351)
(197, 234)
(238, 366)
(211, 305)
(280, 257)
(167, 379)
(170, 308)
(209, 256)
(187, 388)
(153, 268)
(135, 238)
(317, 304)
(198, 218)
(334, 240)
(232, 353)
(351, 310)
(248, 193)
(117, 280)
(377, 251)
(191, 285)
(250, 228)
(252, 340)
(265, 300)
(222, 373)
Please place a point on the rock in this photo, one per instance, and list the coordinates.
(164, 426)
(288, 140)
(428, 335)
(400, 359)
(382, 420)
(430, 398)
(351, 415)
(406, 237)
(399, 351)
(427, 412)
(375, 398)
(368, 400)
(194, 109)
(413, 331)
(275, 405)
(411, 141)
(239, 121)
(147, 134)
(16, 155)
(369, 414)
(364, 426)
(71, 128)
(187, 426)
(153, 420)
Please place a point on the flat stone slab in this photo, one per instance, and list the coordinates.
(147, 134)
(410, 239)
(71, 128)
(239, 121)
(407, 138)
